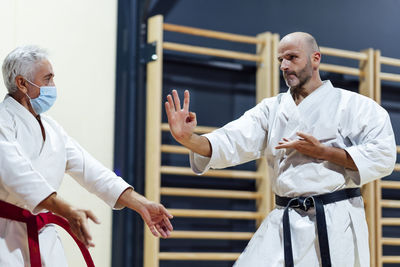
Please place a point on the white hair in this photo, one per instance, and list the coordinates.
(22, 61)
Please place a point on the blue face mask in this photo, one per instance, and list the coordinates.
(45, 100)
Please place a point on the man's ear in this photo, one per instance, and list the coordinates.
(316, 59)
(21, 84)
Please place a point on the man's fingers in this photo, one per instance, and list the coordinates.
(305, 136)
(168, 224)
(165, 211)
(186, 100)
(91, 216)
(153, 230)
(177, 101)
(78, 233)
(85, 232)
(170, 103)
(287, 144)
(192, 116)
(161, 231)
(168, 110)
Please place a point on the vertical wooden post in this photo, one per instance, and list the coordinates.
(366, 88)
(378, 188)
(264, 73)
(263, 90)
(153, 134)
(377, 74)
(275, 74)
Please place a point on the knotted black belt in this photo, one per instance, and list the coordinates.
(304, 203)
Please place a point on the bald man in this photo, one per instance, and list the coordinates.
(322, 144)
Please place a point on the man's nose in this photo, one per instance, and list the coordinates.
(284, 65)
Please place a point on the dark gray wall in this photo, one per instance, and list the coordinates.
(345, 24)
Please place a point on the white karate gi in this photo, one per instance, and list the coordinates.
(337, 118)
(31, 169)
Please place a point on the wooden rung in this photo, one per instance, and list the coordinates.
(190, 192)
(198, 129)
(390, 61)
(390, 203)
(390, 241)
(342, 53)
(397, 167)
(211, 52)
(211, 235)
(212, 34)
(390, 259)
(211, 173)
(198, 256)
(217, 214)
(389, 77)
(174, 149)
(340, 69)
(390, 184)
(390, 221)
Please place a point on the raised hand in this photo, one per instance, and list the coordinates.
(181, 121)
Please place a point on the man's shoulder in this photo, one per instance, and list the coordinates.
(272, 100)
(351, 100)
(5, 114)
(354, 96)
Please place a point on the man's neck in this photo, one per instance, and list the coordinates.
(300, 93)
(21, 98)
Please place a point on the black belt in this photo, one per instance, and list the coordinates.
(304, 203)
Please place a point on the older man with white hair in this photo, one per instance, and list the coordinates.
(35, 153)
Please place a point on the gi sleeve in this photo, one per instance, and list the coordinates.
(92, 175)
(239, 141)
(17, 173)
(373, 147)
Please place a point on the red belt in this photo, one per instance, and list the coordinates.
(36, 222)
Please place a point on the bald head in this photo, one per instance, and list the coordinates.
(301, 39)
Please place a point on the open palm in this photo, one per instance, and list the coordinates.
(181, 121)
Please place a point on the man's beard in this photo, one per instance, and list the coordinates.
(304, 75)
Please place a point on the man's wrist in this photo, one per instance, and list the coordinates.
(325, 152)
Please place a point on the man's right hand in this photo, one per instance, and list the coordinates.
(78, 221)
(182, 123)
(77, 218)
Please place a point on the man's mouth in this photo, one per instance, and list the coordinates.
(290, 74)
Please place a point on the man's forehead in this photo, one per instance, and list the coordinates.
(44, 69)
(284, 52)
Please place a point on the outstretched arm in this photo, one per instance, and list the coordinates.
(182, 123)
(310, 146)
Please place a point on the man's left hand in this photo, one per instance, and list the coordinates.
(157, 218)
(307, 145)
